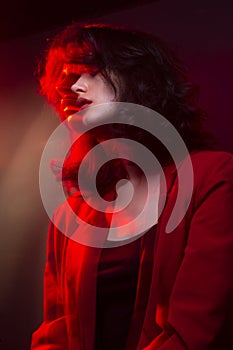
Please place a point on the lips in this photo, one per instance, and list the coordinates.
(71, 105)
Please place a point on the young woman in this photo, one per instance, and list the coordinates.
(161, 291)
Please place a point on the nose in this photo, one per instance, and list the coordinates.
(80, 85)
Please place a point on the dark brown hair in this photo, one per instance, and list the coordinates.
(151, 73)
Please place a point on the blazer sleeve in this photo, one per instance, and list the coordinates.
(52, 333)
(201, 297)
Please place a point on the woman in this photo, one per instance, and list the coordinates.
(160, 291)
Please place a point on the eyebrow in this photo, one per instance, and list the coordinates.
(77, 68)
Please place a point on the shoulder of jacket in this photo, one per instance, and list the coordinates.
(211, 157)
(212, 164)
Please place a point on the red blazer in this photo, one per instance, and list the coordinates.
(190, 304)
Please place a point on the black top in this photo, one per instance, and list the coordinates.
(116, 291)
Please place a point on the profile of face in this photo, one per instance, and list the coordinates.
(81, 86)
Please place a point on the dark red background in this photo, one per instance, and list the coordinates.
(200, 32)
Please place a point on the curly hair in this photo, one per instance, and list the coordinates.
(152, 76)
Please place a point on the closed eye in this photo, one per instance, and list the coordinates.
(79, 69)
(67, 80)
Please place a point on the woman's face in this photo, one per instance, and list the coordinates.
(81, 86)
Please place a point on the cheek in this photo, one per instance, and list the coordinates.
(103, 94)
(103, 91)
(109, 94)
